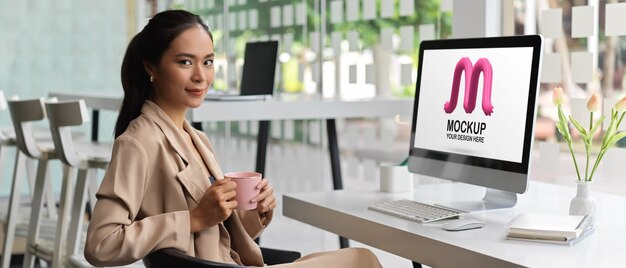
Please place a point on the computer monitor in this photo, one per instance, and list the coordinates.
(257, 76)
(259, 68)
(474, 114)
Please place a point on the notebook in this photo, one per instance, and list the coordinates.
(548, 227)
(257, 77)
(570, 242)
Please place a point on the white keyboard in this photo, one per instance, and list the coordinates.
(416, 211)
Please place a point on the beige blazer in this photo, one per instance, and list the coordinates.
(152, 183)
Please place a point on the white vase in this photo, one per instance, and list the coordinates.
(583, 204)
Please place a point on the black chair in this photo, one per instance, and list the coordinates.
(169, 257)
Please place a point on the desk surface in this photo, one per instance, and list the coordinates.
(274, 109)
(345, 213)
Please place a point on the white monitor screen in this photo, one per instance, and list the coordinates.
(479, 119)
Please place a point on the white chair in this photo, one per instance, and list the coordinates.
(4, 138)
(22, 114)
(7, 140)
(87, 159)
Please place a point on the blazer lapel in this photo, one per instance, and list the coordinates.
(205, 151)
(191, 176)
(186, 178)
(159, 117)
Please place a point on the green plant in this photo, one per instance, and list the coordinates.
(611, 136)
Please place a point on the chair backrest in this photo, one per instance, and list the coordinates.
(62, 116)
(3, 106)
(23, 113)
(170, 257)
(3, 101)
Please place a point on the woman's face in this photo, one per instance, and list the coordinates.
(185, 72)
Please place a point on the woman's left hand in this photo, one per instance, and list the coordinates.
(265, 200)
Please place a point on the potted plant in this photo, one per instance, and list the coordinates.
(583, 204)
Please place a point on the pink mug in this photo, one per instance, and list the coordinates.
(246, 188)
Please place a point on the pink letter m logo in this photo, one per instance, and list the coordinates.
(472, 74)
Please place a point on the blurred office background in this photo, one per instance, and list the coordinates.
(344, 49)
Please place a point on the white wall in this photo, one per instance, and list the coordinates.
(62, 45)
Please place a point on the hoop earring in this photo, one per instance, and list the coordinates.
(151, 79)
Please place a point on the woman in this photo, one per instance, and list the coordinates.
(156, 192)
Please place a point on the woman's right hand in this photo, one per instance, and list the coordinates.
(215, 206)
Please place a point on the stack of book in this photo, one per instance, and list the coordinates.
(558, 229)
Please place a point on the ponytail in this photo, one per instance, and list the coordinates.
(136, 84)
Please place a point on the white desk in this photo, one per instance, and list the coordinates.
(345, 213)
(274, 109)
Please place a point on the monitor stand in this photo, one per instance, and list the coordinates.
(493, 199)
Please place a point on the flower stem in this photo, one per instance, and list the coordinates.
(571, 151)
(588, 146)
(595, 166)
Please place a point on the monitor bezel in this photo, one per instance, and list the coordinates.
(534, 41)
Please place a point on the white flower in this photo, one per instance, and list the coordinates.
(557, 96)
(620, 106)
(593, 105)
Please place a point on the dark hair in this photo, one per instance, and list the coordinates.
(148, 46)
